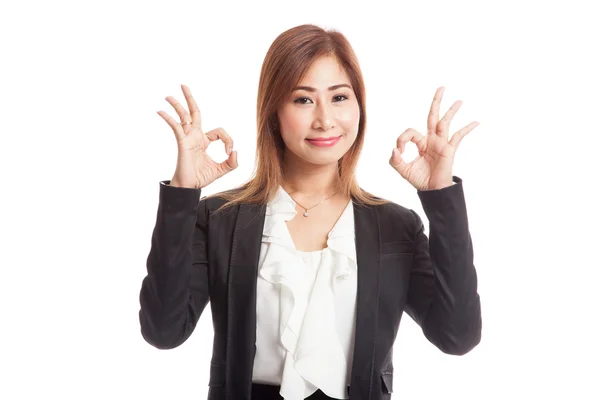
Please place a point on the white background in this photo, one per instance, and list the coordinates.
(83, 151)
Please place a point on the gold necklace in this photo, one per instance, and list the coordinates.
(306, 209)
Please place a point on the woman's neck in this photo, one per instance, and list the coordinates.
(316, 182)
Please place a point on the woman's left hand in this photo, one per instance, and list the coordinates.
(432, 169)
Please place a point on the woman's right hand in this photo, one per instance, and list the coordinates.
(195, 169)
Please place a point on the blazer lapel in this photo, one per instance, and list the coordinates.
(241, 301)
(366, 228)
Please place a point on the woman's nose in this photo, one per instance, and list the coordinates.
(324, 118)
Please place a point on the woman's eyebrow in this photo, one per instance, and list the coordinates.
(312, 89)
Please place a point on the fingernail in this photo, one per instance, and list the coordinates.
(229, 150)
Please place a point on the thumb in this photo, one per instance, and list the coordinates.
(396, 160)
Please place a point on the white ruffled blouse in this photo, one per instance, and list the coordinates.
(306, 305)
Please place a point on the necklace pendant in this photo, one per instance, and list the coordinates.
(306, 214)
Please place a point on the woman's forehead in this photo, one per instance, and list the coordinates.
(324, 73)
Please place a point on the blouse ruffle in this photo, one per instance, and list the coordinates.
(314, 356)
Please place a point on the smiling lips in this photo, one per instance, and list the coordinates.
(324, 142)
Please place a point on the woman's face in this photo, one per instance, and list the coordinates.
(322, 106)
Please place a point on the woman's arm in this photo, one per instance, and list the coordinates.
(175, 291)
(442, 296)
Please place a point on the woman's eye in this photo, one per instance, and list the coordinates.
(306, 100)
(302, 100)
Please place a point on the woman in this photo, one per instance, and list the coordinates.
(307, 274)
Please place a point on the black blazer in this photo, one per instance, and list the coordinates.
(197, 255)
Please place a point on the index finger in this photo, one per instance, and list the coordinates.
(219, 133)
(434, 112)
(192, 106)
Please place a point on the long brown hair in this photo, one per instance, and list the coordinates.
(287, 61)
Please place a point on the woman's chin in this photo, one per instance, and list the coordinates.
(323, 159)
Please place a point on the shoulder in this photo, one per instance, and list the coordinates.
(220, 198)
(215, 201)
(392, 216)
(390, 209)
(396, 212)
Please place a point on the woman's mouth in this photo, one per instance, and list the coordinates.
(324, 142)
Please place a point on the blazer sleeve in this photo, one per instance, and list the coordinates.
(175, 290)
(442, 295)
